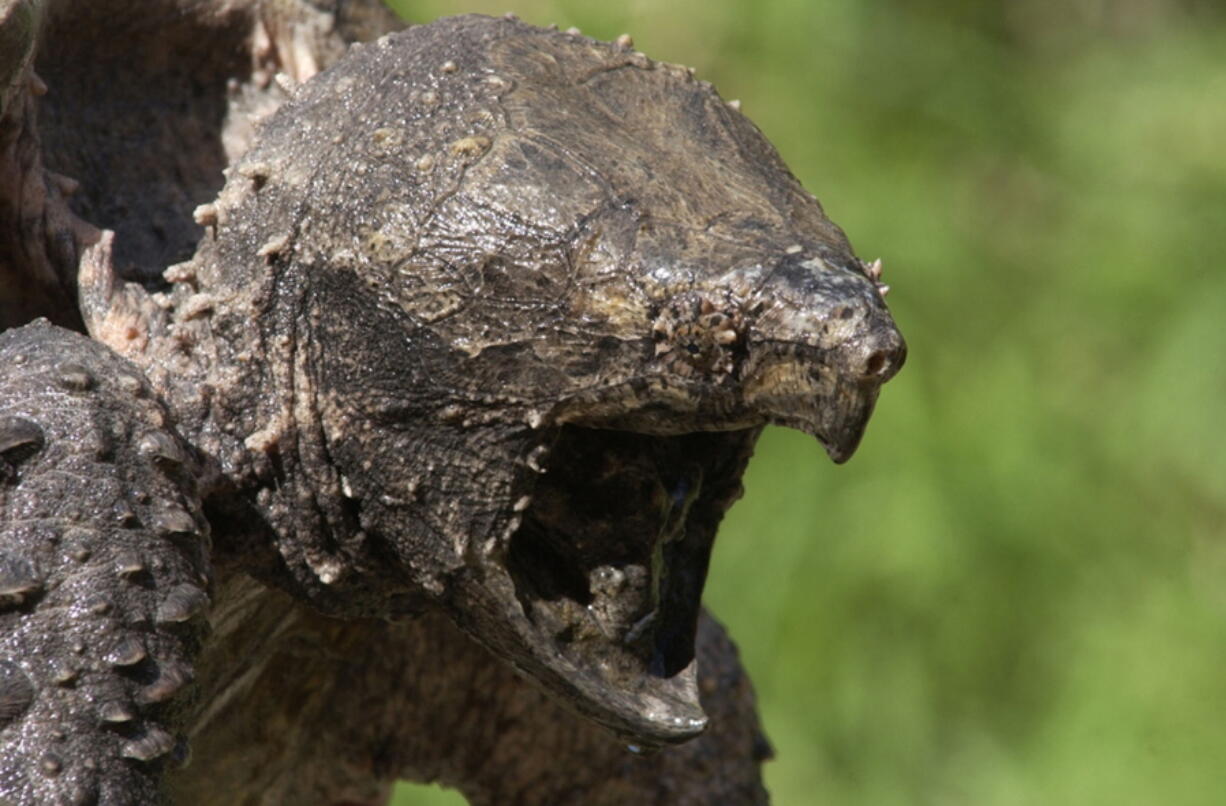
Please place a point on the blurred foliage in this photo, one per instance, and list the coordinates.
(1016, 592)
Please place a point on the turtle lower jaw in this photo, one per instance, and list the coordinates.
(598, 592)
(605, 681)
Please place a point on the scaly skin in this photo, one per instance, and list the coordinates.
(103, 574)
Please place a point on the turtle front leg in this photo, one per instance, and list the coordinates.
(103, 575)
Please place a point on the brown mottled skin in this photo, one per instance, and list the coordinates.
(409, 414)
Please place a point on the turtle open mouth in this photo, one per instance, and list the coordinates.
(618, 535)
(594, 588)
(602, 580)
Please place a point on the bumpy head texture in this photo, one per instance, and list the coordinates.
(503, 311)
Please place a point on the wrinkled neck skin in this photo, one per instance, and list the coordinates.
(233, 369)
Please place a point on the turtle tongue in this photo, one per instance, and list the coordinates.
(599, 592)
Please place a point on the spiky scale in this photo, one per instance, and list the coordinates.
(63, 673)
(98, 606)
(74, 377)
(172, 520)
(51, 765)
(154, 744)
(128, 652)
(182, 603)
(19, 434)
(128, 563)
(132, 384)
(205, 215)
(172, 677)
(116, 712)
(158, 447)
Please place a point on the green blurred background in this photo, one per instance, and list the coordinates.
(1016, 592)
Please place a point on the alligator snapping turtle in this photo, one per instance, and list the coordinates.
(479, 332)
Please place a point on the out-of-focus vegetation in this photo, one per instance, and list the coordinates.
(1016, 592)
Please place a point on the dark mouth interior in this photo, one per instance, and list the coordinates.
(611, 554)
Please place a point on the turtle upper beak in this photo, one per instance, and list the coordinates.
(861, 367)
(824, 375)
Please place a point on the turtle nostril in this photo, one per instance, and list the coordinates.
(884, 359)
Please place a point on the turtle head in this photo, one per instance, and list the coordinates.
(509, 308)
(601, 574)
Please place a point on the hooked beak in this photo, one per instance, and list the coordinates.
(828, 393)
